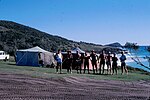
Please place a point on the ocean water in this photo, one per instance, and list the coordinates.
(141, 53)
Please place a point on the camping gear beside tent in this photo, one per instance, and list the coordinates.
(34, 57)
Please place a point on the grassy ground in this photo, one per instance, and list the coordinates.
(10, 67)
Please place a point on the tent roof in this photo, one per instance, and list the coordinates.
(77, 49)
(34, 49)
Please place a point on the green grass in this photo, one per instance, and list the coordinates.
(39, 72)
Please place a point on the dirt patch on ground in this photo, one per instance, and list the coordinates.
(20, 87)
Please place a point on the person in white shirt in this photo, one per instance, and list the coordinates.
(59, 58)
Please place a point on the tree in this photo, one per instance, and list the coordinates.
(133, 47)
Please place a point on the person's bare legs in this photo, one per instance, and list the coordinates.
(60, 68)
(110, 68)
(100, 67)
(122, 69)
(107, 68)
(96, 67)
(103, 65)
(116, 70)
(93, 69)
(125, 68)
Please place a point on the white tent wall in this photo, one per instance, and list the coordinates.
(47, 58)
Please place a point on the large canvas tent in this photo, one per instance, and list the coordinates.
(32, 56)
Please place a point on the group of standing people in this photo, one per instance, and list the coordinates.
(79, 59)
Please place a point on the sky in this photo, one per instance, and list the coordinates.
(94, 21)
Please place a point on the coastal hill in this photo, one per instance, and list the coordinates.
(116, 44)
(15, 36)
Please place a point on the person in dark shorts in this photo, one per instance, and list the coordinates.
(86, 62)
(123, 64)
(94, 61)
(102, 62)
(58, 58)
(108, 63)
(69, 61)
(114, 64)
(78, 63)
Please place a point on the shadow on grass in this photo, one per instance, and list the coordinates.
(11, 64)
